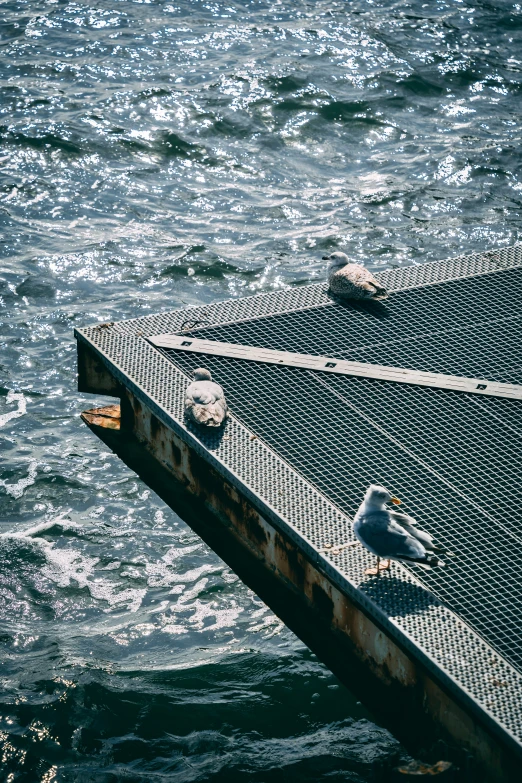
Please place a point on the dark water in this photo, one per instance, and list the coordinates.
(156, 155)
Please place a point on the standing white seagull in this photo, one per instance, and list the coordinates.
(205, 401)
(390, 534)
(352, 281)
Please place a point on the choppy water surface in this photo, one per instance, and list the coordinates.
(156, 155)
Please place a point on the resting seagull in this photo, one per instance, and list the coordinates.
(352, 281)
(390, 534)
(204, 400)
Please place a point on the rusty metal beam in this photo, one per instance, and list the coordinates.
(93, 376)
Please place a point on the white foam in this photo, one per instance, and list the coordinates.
(22, 407)
(67, 566)
(32, 533)
(203, 610)
(18, 489)
(161, 574)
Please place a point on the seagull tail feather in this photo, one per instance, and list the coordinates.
(432, 561)
(379, 292)
(439, 550)
(428, 561)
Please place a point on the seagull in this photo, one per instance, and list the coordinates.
(352, 281)
(204, 400)
(391, 534)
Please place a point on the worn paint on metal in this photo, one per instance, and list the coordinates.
(335, 366)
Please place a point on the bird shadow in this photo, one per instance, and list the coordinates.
(398, 597)
(370, 307)
(210, 437)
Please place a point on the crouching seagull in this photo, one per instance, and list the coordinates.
(352, 281)
(391, 535)
(204, 400)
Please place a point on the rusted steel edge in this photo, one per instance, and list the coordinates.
(108, 417)
(338, 366)
(371, 609)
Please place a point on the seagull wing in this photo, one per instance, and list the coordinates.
(379, 290)
(388, 539)
(202, 397)
(204, 392)
(369, 282)
(402, 518)
(409, 524)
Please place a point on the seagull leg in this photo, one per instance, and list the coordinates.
(382, 565)
(374, 571)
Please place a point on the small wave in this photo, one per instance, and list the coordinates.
(348, 111)
(420, 86)
(169, 145)
(35, 288)
(25, 550)
(173, 146)
(350, 746)
(19, 398)
(284, 84)
(45, 142)
(17, 490)
(235, 129)
(151, 92)
(67, 567)
(58, 523)
(217, 270)
(294, 104)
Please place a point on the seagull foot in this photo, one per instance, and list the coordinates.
(384, 565)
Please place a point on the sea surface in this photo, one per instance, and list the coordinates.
(157, 155)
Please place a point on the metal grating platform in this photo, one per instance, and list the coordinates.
(454, 458)
(467, 327)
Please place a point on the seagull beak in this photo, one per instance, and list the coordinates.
(325, 258)
(395, 501)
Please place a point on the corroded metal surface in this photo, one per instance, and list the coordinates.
(107, 417)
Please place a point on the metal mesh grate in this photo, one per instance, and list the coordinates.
(455, 458)
(457, 466)
(458, 656)
(464, 327)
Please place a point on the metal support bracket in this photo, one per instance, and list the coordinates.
(338, 366)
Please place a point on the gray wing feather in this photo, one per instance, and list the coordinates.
(408, 523)
(393, 543)
(385, 538)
